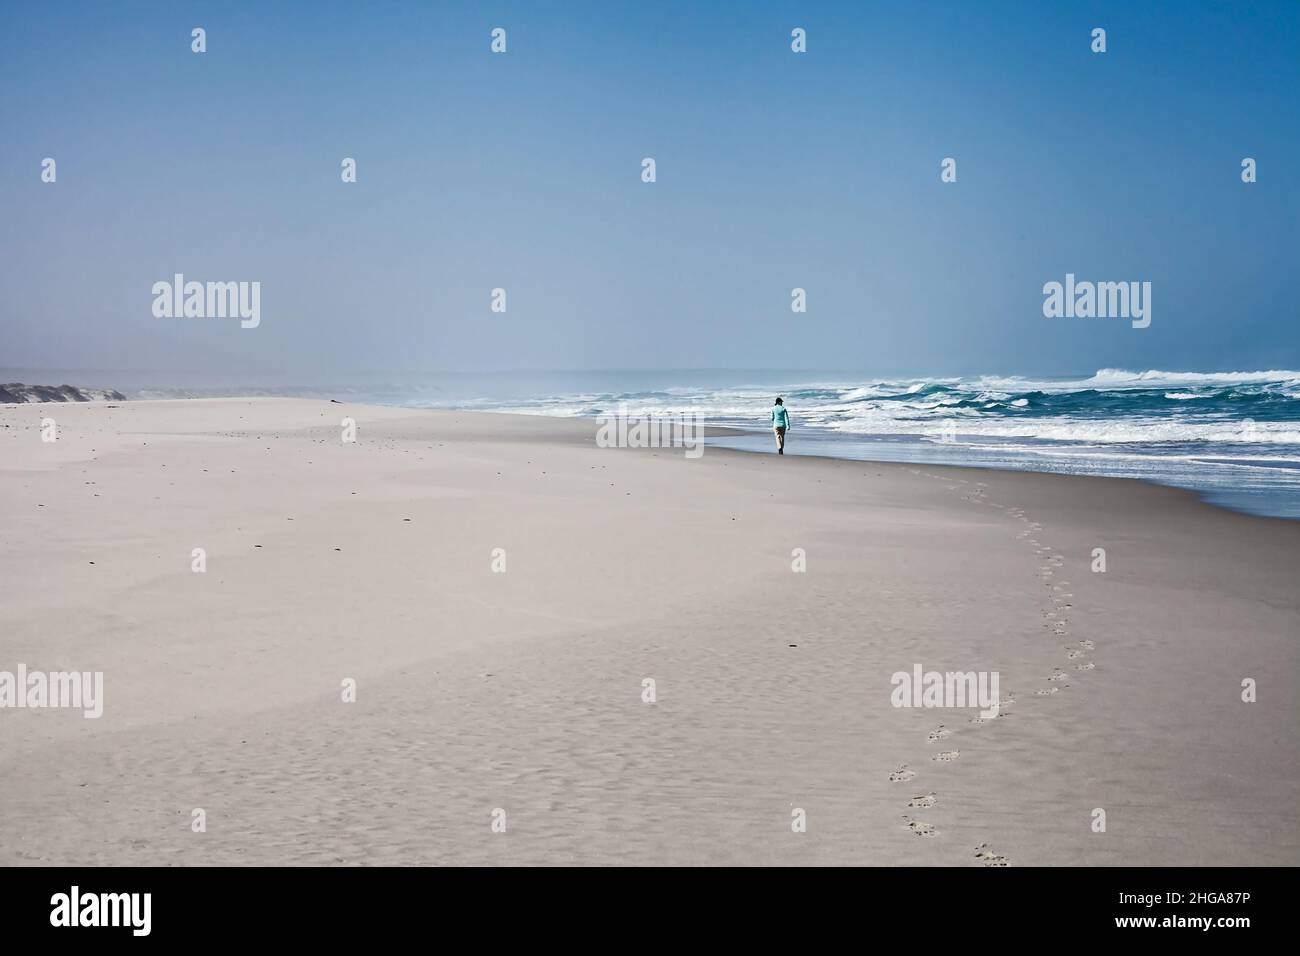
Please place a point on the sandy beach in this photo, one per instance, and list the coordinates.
(514, 680)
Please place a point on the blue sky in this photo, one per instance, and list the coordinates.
(775, 170)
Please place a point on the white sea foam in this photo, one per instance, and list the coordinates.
(1144, 432)
(1153, 378)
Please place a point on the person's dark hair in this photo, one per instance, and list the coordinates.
(778, 400)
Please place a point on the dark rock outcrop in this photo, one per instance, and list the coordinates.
(18, 393)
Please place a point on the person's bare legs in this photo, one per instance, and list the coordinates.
(780, 440)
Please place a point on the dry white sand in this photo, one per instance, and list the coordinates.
(523, 690)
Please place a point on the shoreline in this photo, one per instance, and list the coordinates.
(710, 432)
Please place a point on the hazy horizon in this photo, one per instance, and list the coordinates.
(521, 378)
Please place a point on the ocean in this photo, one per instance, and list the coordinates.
(1232, 437)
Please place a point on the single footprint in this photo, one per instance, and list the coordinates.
(1087, 645)
(944, 756)
(1057, 675)
(924, 800)
(1046, 691)
(939, 733)
(920, 829)
(902, 774)
(1085, 667)
(988, 857)
(1071, 655)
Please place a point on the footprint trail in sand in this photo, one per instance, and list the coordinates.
(1056, 614)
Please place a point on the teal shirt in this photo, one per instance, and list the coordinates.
(780, 417)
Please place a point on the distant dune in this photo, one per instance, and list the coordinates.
(18, 393)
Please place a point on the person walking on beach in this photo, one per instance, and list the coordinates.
(780, 424)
